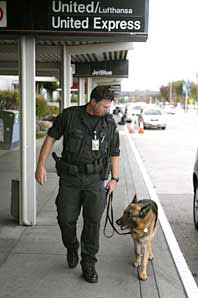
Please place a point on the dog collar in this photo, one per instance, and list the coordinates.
(146, 229)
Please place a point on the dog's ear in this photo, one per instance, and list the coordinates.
(144, 210)
(134, 201)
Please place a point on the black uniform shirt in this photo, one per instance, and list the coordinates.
(77, 128)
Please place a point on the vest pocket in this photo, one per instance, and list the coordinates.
(73, 140)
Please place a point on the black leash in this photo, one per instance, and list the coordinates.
(109, 217)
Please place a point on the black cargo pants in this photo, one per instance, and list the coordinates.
(84, 192)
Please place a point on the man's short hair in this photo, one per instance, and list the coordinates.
(101, 92)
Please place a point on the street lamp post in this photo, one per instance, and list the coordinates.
(197, 86)
(186, 101)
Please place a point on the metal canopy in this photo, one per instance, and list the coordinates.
(32, 44)
(92, 31)
(49, 57)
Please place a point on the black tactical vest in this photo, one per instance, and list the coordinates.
(78, 140)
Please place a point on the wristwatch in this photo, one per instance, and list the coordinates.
(115, 178)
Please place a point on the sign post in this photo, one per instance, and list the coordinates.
(186, 90)
(197, 86)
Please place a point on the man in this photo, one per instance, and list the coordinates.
(90, 137)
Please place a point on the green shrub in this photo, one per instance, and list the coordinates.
(74, 98)
(41, 106)
(40, 134)
(9, 100)
(53, 110)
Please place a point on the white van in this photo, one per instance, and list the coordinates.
(134, 110)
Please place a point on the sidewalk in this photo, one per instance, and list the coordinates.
(33, 259)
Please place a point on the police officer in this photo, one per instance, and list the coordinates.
(90, 140)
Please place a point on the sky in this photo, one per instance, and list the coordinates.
(171, 50)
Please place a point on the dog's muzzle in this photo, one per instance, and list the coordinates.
(122, 225)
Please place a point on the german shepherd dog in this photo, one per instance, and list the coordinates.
(140, 217)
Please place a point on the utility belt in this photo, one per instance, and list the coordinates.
(63, 167)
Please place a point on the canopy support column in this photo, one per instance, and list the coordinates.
(27, 201)
(89, 87)
(65, 78)
(81, 91)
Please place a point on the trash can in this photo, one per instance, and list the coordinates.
(9, 129)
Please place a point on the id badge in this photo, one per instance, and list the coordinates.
(95, 145)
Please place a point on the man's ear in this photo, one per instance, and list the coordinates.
(134, 201)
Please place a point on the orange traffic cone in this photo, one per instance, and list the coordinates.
(131, 129)
(141, 127)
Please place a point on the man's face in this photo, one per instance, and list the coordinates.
(101, 108)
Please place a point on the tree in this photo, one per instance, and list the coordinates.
(164, 91)
(177, 91)
(177, 86)
(194, 91)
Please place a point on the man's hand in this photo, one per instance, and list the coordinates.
(111, 185)
(41, 174)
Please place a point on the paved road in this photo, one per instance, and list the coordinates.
(168, 157)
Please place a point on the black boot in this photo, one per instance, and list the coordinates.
(89, 274)
(72, 258)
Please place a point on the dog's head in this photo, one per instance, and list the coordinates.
(136, 214)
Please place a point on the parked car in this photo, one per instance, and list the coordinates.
(134, 110)
(170, 110)
(153, 117)
(195, 187)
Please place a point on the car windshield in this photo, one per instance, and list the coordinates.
(152, 112)
(137, 108)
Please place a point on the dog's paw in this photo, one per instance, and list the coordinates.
(137, 263)
(143, 276)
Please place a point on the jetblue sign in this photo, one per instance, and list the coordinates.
(75, 16)
(118, 68)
